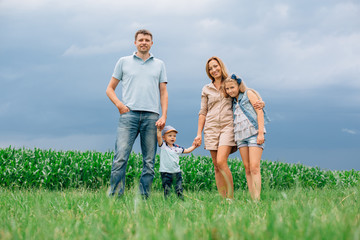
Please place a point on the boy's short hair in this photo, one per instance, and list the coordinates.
(167, 129)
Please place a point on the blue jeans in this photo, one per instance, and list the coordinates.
(130, 125)
(167, 182)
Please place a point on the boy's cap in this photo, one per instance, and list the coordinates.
(168, 129)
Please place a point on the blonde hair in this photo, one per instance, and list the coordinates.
(242, 87)
(224, 73)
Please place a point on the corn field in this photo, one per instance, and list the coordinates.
(38, 168)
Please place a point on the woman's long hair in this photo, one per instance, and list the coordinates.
(224, 73)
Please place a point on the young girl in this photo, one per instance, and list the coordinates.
(249, 130)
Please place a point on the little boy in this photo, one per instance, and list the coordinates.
(169, 160)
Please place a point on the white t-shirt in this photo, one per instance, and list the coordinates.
(169, 158)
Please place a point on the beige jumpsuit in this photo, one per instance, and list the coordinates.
(219, 123)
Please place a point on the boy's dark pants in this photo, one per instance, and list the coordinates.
(168, 179)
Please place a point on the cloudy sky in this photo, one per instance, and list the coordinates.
(57, 57)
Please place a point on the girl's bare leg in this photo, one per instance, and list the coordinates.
(255, 157)
(244, 153)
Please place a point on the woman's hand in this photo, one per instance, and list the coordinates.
(197, 140)
(259, 104)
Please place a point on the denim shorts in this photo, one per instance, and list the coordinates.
(249, 142)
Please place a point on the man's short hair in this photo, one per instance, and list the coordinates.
(143, 31)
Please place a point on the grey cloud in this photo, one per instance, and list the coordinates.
(57, 58)
(349, 131)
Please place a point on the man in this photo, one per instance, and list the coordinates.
(143, 81)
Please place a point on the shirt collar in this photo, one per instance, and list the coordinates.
(211, 85)
(151, 56)
(234, 101)
(169, 146)
(239, 98)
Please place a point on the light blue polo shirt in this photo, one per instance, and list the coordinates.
(140, 82)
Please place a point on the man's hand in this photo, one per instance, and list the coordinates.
(161, 123)
(123, 109)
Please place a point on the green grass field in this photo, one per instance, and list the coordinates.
(89, 214)
(46, 194)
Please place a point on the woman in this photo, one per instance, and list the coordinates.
(216, 119)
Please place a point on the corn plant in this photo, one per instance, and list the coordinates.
(38, 168)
